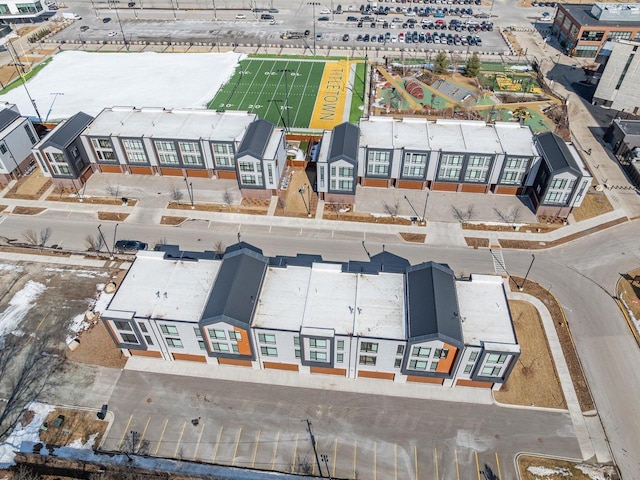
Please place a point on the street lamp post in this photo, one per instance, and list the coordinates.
(55, 96)
(533, 259)
(104, 241)
(313, 4)
(189, 191)
(286, 71)
(124, 38)
(115, 234)
(304, 201)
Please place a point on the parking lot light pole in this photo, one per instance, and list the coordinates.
(106, 245)
(286, 71)
(313, 4)
(115, 233)
(189, 191)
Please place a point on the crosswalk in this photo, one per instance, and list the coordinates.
(498, 262)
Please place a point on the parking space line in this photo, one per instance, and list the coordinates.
(415, 459)
(335, 454)
(235, 450)
(313, 464)
(435, 456)
(375, 460)
(144, 432)
(355, 457)
(295, 454)
(498, 463)
(215, 452)
(195, 453)
(255, 450)
(124, 433)
(41, 322)
(477, 464)
(161, 436)
(184, 425)
(395, 460)
(457, 467)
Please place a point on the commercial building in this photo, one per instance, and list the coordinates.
(448, 155)
(381, 319)
(17, 136)
(624, 138)
(620, 77)
(20, 11)
(582, 29)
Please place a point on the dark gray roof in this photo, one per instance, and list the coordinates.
(256, 139)
(235, 292)
(555, 151)
(7, 117)
(68, 131)
(582, 14)
(629, 127)
(432, 303)
(344, 143)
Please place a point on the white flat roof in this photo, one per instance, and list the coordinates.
(484, 310)
(515, 139)
(377, 132)
(413, 134)
(177, 123)
(186, 283)
(325, 297)
(464, 136)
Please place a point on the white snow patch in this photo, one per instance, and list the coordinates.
(93, 81)
(77, 273)
(77, 325)
(102, 302)
(77, 443)
(544, 472)
(19, 306)
(596, 472)
(5, 267)
(24, 437)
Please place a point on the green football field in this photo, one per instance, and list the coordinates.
(260, 85)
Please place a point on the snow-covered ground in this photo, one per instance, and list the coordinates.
(18, 308)
(92, 81)
(24, 436)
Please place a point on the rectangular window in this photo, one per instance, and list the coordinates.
(134, 149)
(167, 152)
(317, 343)
(269, 351)
(270, 173)
(246, 166)
(169, 330)
(143, 327)
(491, 371)
(553, 197)
(342, 178)
(129, 338)
(496, 358)
(103, 150)
(620, 35)
(398, 363)
(421, 352)
(296, 341)
(30, 134)
(559, 183)
(122, 325)
(400, 350)
(414, 164)
(433, 366)
(441, 353)
(191, 154)
(297, 353)
(266, 338)
(197, 332)
(218, 334)
(367, 360)
(418, 365)
(223, 155)
(378, 163)
(473, 356)
(220, 347)
(322, 356)
(234, 348)
(340, 357)
(591, 35)
(248, 179)
(233, 335)
(3, 148)
(202, 345)
(468, 368)
(514, 170)
(174, 342)
(369, 347)
(148, 340)
(450, 167)
(477, 168)
(340, 344)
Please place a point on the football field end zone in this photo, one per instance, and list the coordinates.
(332, 95)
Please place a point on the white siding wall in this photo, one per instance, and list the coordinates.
(207, 154)
(432, 168)
(497, 168)
(385, 356)
(323, 177)
(284, 344)
(396, 162)
(17, 143)
(465, 360)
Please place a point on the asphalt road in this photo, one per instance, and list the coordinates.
(582, 275)
(264, 426)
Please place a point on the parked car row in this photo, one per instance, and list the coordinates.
(420, 37)
(543, 4)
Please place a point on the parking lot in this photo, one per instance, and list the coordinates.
(363, 436)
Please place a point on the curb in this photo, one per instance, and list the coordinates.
(626, 316)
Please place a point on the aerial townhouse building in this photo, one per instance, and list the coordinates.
(448, 155)
(383, 319)
(17, 137)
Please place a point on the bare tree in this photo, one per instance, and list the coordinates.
(391, 208)
(160, 242)
(219, 248)
(94, 242)
(113, 191)
(177, 195)
(304, 466)
(31, 237)
(26, 367)
(25, 473)
(463, 216)
(45, 235)
(227, 197)
(511, 217)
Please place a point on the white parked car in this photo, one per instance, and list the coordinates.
(240, 16)
(325, 11)
(112, 34)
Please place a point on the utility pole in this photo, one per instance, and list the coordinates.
(313, 4)
(533, 259)
(115, 233)
(286, 71)
(106, 245)
(313, 444)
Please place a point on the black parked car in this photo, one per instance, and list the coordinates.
(128, 246)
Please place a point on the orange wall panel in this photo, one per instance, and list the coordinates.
(501, 189)
(474, 188)
(329, 371)
(416, 379)
(412, 184)
(141, 170)
(375, 182)
(198, 173)
(171, 172)
(190, 358)
(281, 366)
(110, 169)
(227, 174)
(473, 383)
(244, 347)
(445, 187)
(381, 375)
(234, 361)
(445, 364)
(146, 353)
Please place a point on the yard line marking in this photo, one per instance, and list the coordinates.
(304, 92)
(255, 450)
(457, 468)
(195, 454)
(184, 425)
(335, 453)
(435, 455)
(475, 452)
(235, 451)
(41, 321)
(161, 436)
(355, 457)
(143, 434)
(126, 429)
(215, 452)
(295, 454)
(498, 463)
(250, 84)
